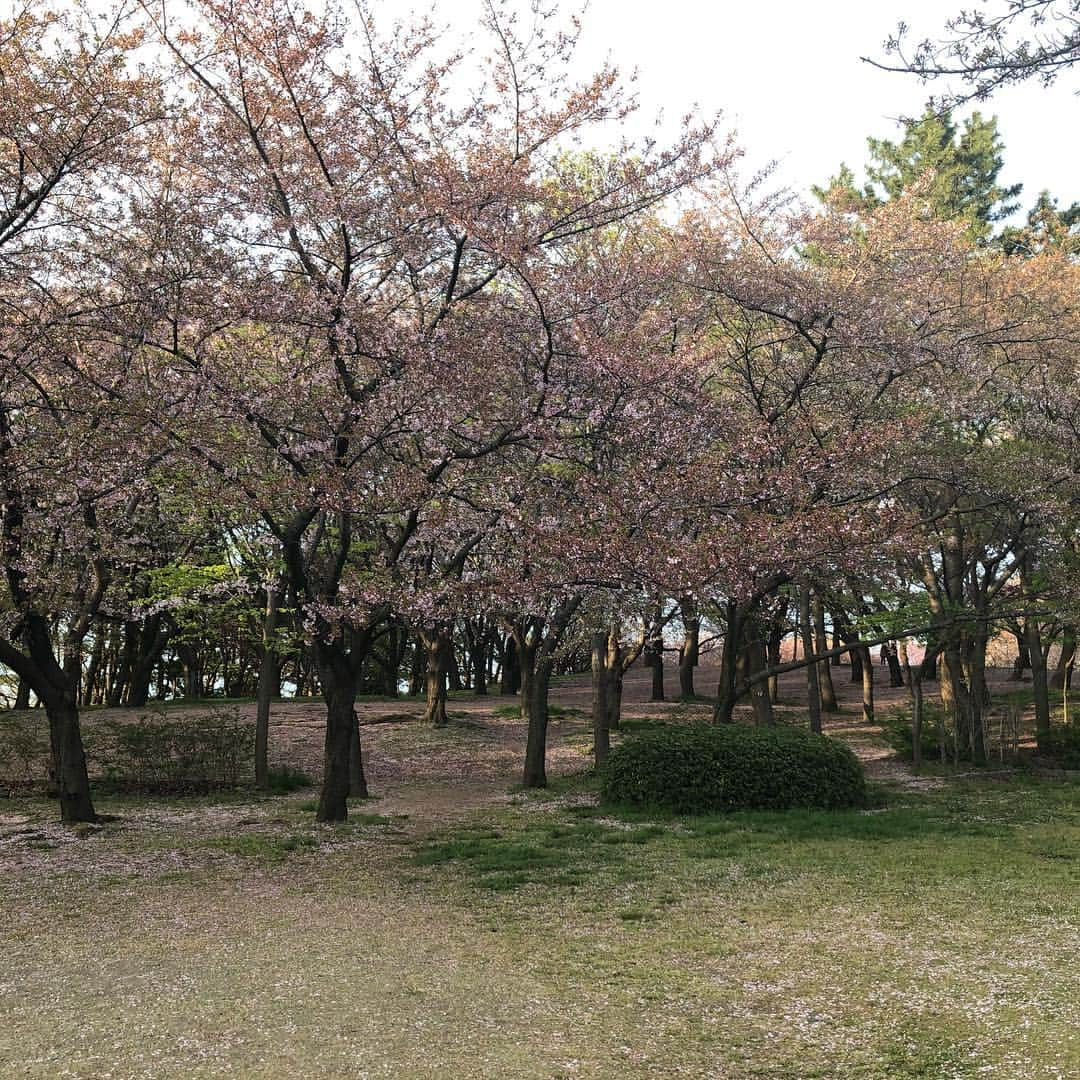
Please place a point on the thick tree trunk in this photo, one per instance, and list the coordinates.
(510, 678)
(727, 685)
(338, 678)
(756, 662)
(856, 665)
(191, 662)
(929, 669)
(689, 654)
(892, 660)
(439, 650)
(22, 695)
(536, 678)
(69, 757)
(954, 696)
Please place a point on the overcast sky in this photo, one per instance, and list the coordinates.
(788, 77)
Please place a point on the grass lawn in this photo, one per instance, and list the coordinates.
(934, 936)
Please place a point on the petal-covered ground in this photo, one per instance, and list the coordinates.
(457, 928)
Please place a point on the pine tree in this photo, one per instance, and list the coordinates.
(961, 168)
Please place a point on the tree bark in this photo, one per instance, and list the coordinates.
(601, 733)
(439, 650)
(269, 685)
(338, 678)
(757, 662)
(1062, 677)
(813, 687)
(727, 685)
(1040, 682)
(689, 654)
(829, 703)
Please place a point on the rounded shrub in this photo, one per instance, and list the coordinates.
(704, 767)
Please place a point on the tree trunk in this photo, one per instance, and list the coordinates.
(866, 673)
(338, 678)
(856, 665)
(892, 659)
(510, 679)
(727, 686)
(616, 661)
(756, 662)
(600, 681)
(418, 667)
(69, 757)
(439, 650)
(689, 654)
(1040, 683)
(829, 703)
(954, 696)
(1062, 677)
(774, 646)
(813, 687)
(22, 695)
(268, 687)
(913, 678)
(536, 676)
(358, 788)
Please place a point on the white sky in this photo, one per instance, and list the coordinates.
(788, 77)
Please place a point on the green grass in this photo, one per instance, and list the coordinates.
(933, 936)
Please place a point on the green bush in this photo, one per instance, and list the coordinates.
(190, 755)
(24, 749)
(699, 768)
(1062, 743)
(285, 779)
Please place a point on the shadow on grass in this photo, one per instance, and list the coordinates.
(573, 845)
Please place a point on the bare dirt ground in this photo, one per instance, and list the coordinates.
(433, 775)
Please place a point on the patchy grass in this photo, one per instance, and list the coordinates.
(934, 936)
